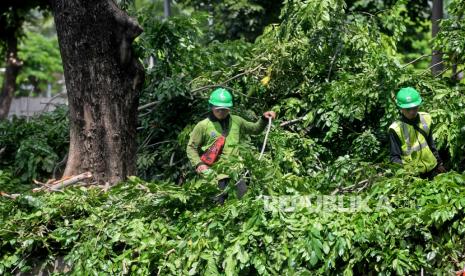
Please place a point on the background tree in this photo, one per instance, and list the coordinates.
(41, 63)
(38, 49)
(232, 19)
(436, 16)
(103, 80)
(12, 16)
(451, 38)
(416, 39)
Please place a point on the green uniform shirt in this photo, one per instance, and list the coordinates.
(207, 131)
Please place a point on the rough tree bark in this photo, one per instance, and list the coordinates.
(13, 65)
(437, 15)
(103, 80)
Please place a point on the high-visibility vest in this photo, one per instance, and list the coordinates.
(416, 154)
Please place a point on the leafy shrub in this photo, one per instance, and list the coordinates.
(8, 182)
(34, 147)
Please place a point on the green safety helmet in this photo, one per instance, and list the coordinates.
(221, 98)
(408, 97)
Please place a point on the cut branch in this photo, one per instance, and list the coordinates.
(11, 196)
(63, 183)
(355, 187)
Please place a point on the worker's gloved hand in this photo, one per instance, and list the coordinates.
(270, 114)
(202, 168)
(441, 168)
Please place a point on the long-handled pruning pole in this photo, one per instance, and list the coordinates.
(263, 146)
(266, 138)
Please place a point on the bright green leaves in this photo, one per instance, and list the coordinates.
(334, 73)
(138, 230)
(333, 63)
(366, 146)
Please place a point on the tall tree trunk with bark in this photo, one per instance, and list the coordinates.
(437, 14)
(13, 65)
(103, 80)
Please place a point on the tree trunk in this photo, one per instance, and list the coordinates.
(437, 15)
(13, 65)
(103, 80)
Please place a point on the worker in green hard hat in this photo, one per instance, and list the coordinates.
(219, 134)
(411, 137)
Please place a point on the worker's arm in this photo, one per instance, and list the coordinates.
(253, 128)
(259, 126)
(194, 145)
(396, 151)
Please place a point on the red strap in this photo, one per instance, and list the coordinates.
(213, 152)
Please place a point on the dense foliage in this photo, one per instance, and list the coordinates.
(402, 226)
(330, 69)
(334, 71)
(231, 19)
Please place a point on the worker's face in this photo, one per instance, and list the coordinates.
(410, 113)
(221, 113)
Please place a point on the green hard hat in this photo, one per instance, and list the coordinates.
(221, 97)
(408, 97)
